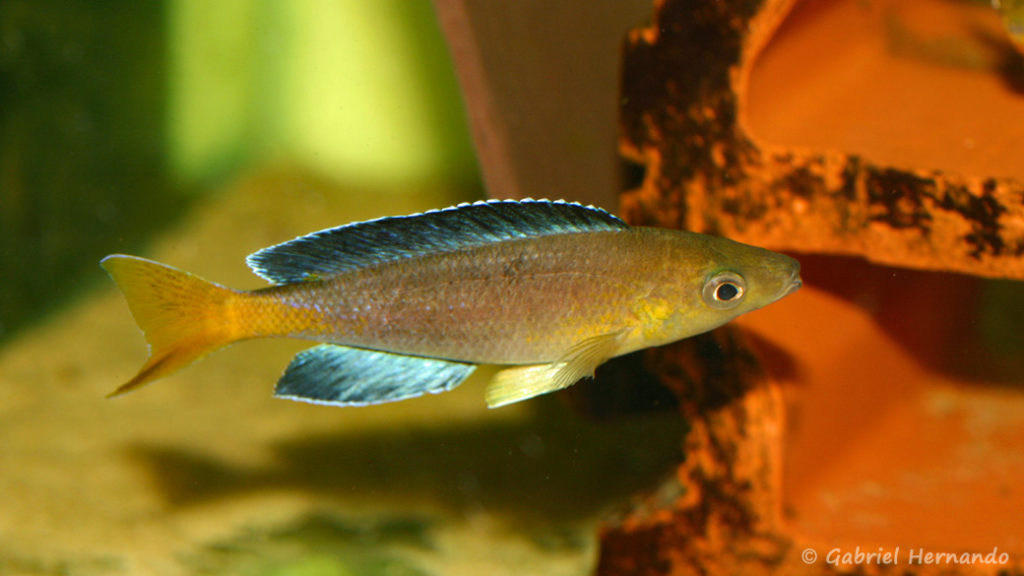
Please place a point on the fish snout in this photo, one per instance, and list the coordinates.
(794, 284)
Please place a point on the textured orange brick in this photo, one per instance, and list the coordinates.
(880, 143)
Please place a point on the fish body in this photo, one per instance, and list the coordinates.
(410, 305)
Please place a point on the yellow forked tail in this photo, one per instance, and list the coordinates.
(183, 316)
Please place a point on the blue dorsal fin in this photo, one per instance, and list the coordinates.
(343, 376)
(328, 252)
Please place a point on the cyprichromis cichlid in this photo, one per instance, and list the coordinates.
(410, 305)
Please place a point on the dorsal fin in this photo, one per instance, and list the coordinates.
(335, 250)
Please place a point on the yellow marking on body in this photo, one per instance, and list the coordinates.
(653, 314)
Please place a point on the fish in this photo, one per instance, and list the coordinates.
(403, 306)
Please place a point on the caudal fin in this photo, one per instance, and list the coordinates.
(183, 316)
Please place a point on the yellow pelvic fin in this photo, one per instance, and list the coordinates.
(183, 316)
(523, 382)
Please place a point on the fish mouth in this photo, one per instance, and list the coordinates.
(793, 285)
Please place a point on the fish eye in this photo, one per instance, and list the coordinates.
(724, 290)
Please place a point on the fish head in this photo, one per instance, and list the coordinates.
(717, 279)
(737, 278)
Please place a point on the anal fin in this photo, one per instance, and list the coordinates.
(342, 376)
(523, 382)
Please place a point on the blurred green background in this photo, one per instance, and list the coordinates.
(115, 116)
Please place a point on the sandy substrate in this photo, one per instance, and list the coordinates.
(206, 473)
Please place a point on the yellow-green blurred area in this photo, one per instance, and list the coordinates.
(115, 116)
(356, 90)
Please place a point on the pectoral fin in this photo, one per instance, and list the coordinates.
(523, 382)
(342, 376)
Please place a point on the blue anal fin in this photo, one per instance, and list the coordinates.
(342, 376)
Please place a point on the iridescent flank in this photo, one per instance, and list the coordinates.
(410, 305)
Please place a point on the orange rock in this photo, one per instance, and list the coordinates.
(860, 131)
(865, 413)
